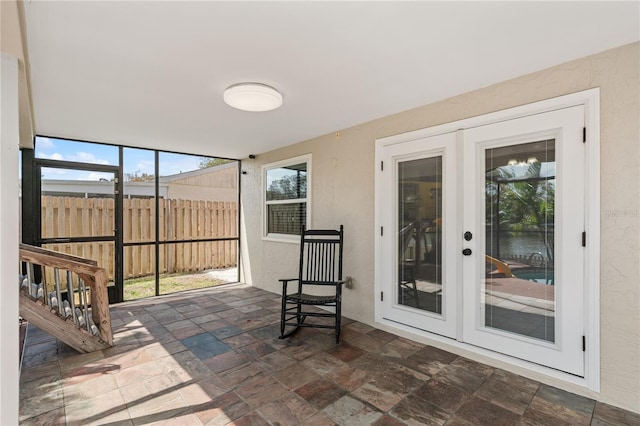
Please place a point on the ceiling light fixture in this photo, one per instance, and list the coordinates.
(254, 97)
(521, 163)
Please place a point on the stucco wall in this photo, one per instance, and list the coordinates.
(9, 225)
(343, 193)
(11, 43)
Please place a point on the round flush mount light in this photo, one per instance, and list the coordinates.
(254, 97)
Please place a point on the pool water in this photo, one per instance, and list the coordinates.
(540, 276)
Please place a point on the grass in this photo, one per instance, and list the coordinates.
(138, 288)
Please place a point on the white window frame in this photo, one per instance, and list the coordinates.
(287, 238)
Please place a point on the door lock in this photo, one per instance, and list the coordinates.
(466, 252)
(468, 235)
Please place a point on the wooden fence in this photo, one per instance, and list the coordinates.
(64, 217)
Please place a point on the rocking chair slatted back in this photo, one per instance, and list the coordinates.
(320, 257)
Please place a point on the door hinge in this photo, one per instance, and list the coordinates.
(382, 231)
(382, 166)
(584, 135)
(584, 239)
(584, 343)
(382, 296)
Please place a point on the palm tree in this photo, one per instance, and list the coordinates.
(521, 200)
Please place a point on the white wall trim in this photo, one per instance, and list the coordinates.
(592, 225)
(9, 240)
(585, 97)
(591, 100)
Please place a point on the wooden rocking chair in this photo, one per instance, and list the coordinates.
(320, 267)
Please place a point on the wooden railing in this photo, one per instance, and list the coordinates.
(78, 296)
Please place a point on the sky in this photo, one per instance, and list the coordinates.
(135, 160)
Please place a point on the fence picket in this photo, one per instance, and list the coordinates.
(179, 219)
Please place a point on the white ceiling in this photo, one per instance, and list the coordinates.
(151, 74)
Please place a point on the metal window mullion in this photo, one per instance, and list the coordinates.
(157, 230)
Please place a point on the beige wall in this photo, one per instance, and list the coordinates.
(9, 225)
(202, 193)
(11, 38)
(343, 193)
(216, 184)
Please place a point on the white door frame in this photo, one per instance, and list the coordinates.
(591, 101)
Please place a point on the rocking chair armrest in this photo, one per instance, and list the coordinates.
(284, 282)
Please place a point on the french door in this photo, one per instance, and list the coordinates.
(419, 241)
(78, 215)
(483, 234)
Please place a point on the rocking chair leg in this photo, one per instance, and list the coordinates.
(338, 318)
(282, 317)
(299, 318)
(283, 321)
(285, 335)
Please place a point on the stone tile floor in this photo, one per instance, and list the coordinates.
(212, 357)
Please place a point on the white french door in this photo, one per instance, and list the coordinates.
(524, 207)
(419, 195)
(482, 236)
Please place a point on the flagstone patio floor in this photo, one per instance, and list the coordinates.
(213, 357)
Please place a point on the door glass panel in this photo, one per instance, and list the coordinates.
(420, 234)
(519, 283)
(77, 203)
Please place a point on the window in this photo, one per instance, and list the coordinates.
(286, 197)
(154, 220)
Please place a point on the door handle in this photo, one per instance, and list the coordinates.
(466, 252)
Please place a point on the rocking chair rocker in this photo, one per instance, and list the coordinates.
(320, 266)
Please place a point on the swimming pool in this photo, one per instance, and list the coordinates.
(542, 276)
